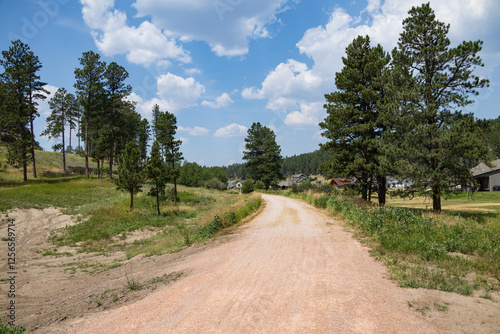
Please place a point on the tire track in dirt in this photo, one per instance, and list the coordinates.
(288, 271)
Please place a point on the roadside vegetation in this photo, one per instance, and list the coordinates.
(457, 251)
(104, 218)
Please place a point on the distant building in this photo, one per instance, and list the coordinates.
(342, 183)
(298, 178)
(487, 177)
(235, 184)
(392, 182)
(294, 179)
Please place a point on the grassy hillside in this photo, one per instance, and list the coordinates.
(47, 163)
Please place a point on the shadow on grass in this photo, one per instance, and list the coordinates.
(41, 180)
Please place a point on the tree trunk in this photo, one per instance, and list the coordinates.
(436, 200)
(33, 147)
(64, 152)
(112, 128)
(79, 135)
(111, 165)
(70, 140)
(382, 190)
(370, 184)
(87, 148)
(131, 201)
(158, 200)
(175, 190)
(99, 169)
(25, 171)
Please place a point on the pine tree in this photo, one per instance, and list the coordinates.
(131, 171)
(63, 108)
(439, 142)
(165, 128)
(115, 90)
(157, 172)
(263, 155)
(22, 87)
(143, 137)
(353, 126)
(89, 90)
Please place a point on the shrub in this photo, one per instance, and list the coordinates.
(260, 185)
(247, 187)
(214, 183)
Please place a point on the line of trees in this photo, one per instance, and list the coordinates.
(99, 109)
(399, 114)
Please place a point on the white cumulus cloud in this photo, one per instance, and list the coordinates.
(196, 131)
(221, 101)
(178, 91)
(145, 44)
(225, 25)
(232, 130)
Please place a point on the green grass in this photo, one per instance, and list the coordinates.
(68, 193)
(5, 328)
(104, 215)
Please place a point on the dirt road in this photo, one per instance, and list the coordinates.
(288, 271)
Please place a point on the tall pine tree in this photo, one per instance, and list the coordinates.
(262, 155)
(89, 91)
(165, 128)
(157, 172)
(440, 143)
(115, 90)
(63, 106)
(353, 125)
(22, 88)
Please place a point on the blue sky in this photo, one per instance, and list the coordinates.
(220, 65)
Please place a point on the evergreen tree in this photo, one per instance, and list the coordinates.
(89, 90)
(492, 134)
(21, 87)
(62, 105)
(157, 172)
(190, 174)
(165, 129)
(115, 91)
(439, 142)
(263, 155)
(131, 171)
(143, 134)
(353, 126)
(35, 90)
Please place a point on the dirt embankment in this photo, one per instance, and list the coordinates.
(291, 270)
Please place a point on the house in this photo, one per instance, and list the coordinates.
(297, 178)
(342, 183)
(235, 184)
(392, 182)
(285, 184)
(487, 177)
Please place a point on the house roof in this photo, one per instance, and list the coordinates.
(285, 183)
(482, 168)
(341, 182)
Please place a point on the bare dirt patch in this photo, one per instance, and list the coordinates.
(291, 270)
(64, 284)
